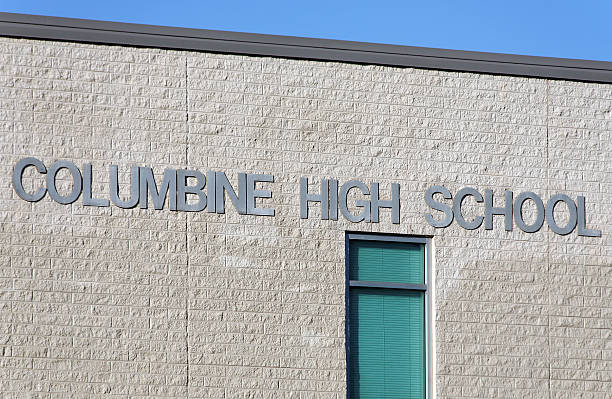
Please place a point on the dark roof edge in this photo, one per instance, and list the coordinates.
(119, 33)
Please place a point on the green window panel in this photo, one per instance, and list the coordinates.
(387, 345)
(386, 327)
(392, 262)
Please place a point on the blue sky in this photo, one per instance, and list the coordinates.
(569, 29)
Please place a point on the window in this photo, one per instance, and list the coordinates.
(387, 317)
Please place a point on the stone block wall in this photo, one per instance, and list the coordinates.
(110, 302)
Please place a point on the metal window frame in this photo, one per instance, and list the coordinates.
(426, 288)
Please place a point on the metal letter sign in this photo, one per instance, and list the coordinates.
(577, 212)
(193, 191)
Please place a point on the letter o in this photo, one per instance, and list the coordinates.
(518, 212)
(77, 182)
(550, 216)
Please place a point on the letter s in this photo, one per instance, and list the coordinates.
(429, 200)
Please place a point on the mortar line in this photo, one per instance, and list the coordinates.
(187, 228)
(548, 236)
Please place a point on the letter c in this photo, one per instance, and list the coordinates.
(18, 176)
(457, 202)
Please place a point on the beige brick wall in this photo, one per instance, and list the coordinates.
(110, 302)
